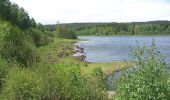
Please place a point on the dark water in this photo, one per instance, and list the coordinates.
(116, 48)
(112, 80)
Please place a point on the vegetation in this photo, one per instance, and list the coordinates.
(134, 28)
(65, 32)
(16, 46)
(52, 27)
(146, 28)
(36, 64)
(149, 79)
(107, 67)
(26, 69)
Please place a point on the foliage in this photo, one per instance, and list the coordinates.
(146, 28)
(16, 46)
(113, 28)
(50, 82)
(101, 77)
(16, 15)
(65, 32)
(4, 68)
(70, 34)
(149, 80)
(4, 29)
(22, 84)
(39, 37)
(5, 9)
(18, 38)
(52, 27)
(65, 82)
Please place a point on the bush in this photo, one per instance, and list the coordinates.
(65, 32)
(39, 37)
(4, 69)
(149, 80)
(100, 77)
(70, 34)
(16, 45)
(23, 84)
(65, 82)
(4, 29)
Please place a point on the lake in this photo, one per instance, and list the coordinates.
(117, 48)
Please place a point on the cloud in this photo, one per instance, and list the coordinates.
(66, 11)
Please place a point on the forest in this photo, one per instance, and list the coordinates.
(36, 62)
(161, 27)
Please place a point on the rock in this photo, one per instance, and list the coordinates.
(111, 94)
(79, 52)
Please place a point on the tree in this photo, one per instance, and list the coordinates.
(63, 31)
(5, 9)
(33, 23)
(23, 19)
(14, 14)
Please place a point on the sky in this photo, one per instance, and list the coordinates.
(70, 11)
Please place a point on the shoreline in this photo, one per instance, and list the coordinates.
(108, 67)
(79, 52)
(127, 35)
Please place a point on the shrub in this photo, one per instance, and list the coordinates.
(100, 77)
(16, 45)
(4, 69)
(65, 82)
(65, 32)
(4, 29)
(149, 80)
(39, 37)
(70, 34)
(22, 84)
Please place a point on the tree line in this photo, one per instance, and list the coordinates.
(16, 15)
(132, 28)
(140, 28)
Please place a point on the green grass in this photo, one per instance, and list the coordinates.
(107, 67)
(50, 55)
(58, 52)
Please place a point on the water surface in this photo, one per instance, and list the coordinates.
(116, 48)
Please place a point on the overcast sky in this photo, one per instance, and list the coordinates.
(69, 11)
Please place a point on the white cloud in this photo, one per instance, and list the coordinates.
(66, 11)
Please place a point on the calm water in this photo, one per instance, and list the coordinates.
(116, 48)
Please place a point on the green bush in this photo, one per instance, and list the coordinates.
(70, 34)
(65, 82)
(39, 37)
(16, 45)
(100, 77)
(4, 69)
(149, 80)
(22, 84)
(65, 32)
(4, 29)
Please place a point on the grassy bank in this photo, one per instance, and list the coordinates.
(60, 51)
(107, 67)
(57, 76)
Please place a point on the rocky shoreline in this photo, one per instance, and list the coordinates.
(79, 52)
